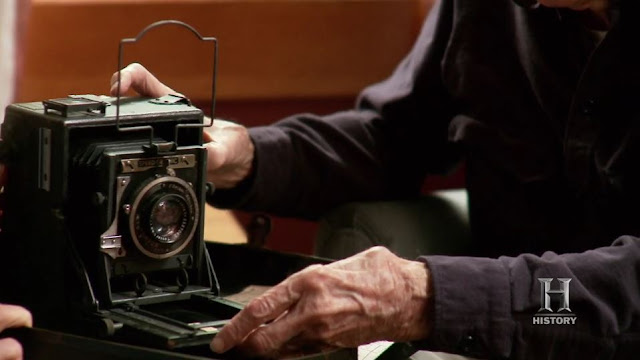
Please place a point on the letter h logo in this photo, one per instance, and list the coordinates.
(545, 298)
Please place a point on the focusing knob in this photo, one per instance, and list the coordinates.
(211, 188)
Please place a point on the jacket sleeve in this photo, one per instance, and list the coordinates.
(382, 149)
(485, 307)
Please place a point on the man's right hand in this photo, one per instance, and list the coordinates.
(230, 150)
(12, 316)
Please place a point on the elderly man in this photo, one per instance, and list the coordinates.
(540, 103)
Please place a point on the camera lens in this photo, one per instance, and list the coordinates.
(168, 218)
(163, 217)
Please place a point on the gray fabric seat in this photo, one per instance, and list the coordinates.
(434, 224)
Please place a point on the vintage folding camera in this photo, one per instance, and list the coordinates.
(102, 231)
(101, 221)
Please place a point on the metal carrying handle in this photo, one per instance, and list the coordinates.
(213, 80)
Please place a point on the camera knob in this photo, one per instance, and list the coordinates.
(210, 189)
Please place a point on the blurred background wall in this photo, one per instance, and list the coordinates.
(277, 57)
(7, 52)
(13, 16)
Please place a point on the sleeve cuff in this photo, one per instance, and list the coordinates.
(472, 307)
(268, 163)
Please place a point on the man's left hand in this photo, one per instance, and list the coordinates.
(373, 295)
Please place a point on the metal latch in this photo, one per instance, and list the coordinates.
(66, 106)
(110, 242)
(171, 99)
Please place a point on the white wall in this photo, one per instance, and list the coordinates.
(8, 12)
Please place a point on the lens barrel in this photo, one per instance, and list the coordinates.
(163, 217)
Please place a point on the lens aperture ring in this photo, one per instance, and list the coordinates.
(163, 217)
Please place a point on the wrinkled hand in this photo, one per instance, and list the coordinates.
(371, 296)
(230, 150)
(12, 316)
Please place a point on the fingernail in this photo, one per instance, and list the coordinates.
(217, 345)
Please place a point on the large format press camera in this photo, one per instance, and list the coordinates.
(123, 209)
(102, 227)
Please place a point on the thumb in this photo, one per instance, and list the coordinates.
(206, 137)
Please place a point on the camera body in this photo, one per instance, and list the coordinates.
(102, 231)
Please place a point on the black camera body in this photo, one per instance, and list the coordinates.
(102, 232)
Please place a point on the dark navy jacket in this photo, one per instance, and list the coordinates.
(547, 119)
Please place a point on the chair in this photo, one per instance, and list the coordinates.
(433, 224)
